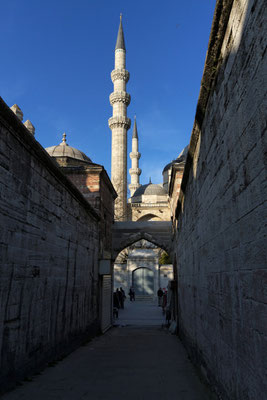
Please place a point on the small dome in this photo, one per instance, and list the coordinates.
(150, 189)
(64, 150)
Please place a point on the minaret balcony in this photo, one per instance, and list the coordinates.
(135, 171)
(119, 122)
(122, 74)
(121, 96)
(135, 155)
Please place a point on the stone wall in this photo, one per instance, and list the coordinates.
(175, 187)
(94, 183)
(150, 212)
(220, 240)
(49, 239)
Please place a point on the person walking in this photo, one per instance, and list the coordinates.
(122, 297)
(164, 301)
(160, 294)
(119, 295)
(132, 294)
(116, 305)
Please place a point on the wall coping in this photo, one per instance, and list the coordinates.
(211, 67)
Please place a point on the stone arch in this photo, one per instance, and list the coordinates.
(131, 239)
(149, 217)
(124, 234)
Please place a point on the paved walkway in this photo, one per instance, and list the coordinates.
(138, 360)
(138, 313)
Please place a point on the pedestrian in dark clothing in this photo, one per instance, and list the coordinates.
(123, 297)
(164, 302)
(116, 301)
(132, 294)
(119, 294)
(160, 294)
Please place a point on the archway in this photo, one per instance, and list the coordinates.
(150, 217)
(124, 234)
(138, 266)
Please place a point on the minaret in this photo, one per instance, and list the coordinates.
(135, 171)
(119, 124)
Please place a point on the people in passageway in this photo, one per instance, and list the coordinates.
(120, 296)
(116, 300)
(132, 293)
(164, 300)
(123, 297)
(160, 295)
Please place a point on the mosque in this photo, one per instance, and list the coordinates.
(139, 265)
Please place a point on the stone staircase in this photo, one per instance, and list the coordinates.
(144, 298)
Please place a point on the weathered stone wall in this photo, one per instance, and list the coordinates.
(221, 232)
(150, 212)
(175, 187)
(107, 214)
(48, 256)
(94, 184)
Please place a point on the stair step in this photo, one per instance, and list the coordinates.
(144, 298)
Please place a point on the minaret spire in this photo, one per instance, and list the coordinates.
(119, 125)
(135, 171)
(120, 44)
(135, 135)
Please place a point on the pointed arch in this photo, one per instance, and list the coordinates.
(127, 233)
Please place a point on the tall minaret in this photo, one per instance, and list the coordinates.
(119, 124)
(135, 171)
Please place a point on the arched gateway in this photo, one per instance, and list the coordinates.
(136, 248)
(125, 234)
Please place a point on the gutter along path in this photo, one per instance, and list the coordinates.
(139, 361)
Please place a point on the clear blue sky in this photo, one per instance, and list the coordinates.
(56, 59)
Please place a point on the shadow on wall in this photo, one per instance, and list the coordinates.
(220, 243)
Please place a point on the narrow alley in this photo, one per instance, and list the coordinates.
(138, 359)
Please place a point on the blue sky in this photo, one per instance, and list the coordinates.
(56, 59)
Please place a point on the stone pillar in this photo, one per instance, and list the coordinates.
(119, 124)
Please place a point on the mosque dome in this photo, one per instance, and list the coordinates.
(150, 189)
(64, 150)
(150, 193)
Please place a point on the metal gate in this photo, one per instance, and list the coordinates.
(143, 282)
(106, 315)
